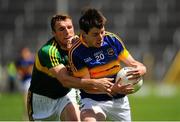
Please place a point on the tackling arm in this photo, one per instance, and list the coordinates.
(61, 73)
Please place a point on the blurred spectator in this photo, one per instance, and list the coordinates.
(24, 66)
(11, 77)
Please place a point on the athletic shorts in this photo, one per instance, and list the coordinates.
(44, 108)
(25, 85)
(113, 110)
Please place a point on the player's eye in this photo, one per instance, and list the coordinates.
(69, 27)
(61, 29)
(95, 34)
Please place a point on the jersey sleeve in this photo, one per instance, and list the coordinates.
(121, 49)
(49, 57)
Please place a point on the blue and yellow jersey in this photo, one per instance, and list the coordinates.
(43, 82)
(98, 62)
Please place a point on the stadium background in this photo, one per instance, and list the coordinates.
(150, 30)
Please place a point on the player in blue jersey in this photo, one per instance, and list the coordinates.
(50, 96)
(98, 54)
(24, 65)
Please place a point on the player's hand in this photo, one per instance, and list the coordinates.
(119, 88)
(136, 73)
(101, 86)
(104, 84)
(133, 75)
(72, 41)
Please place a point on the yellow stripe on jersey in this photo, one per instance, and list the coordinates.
(124, 54)
(51, 58)
(108, 69)
(52, 54)
(73, 68)
(81, 72)
(101, 71)
(41, 68)
(55, 54)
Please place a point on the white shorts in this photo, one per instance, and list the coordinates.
(114, 110)
(25, 85)
(45, 108)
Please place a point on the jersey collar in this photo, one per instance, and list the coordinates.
(83, 41)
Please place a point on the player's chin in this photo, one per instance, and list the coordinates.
(98, 45)
(68, 39)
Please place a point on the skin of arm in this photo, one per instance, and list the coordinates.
(95, 90)
(140, 68)
(61, 73)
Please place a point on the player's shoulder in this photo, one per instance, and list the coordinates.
(50, 47)
(107, 33)
(112, 36)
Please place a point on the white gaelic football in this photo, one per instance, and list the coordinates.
(124, 79)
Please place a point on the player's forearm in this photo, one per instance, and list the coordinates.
(130, 61)
(73, 82)
(61, 73)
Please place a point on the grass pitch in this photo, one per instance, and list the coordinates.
(148, 104)
(11, 107)
(160, 103)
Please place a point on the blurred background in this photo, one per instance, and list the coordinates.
(150, 30)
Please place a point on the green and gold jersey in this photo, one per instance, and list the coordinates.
(43, 82)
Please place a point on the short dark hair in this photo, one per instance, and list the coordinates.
(91, 18)
(58, 17)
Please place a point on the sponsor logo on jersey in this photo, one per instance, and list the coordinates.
(88, 59)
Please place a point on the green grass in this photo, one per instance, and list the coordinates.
(11, 107)
(154, 106)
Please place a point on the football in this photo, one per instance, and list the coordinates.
(124, 79)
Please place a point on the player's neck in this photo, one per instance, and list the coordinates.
(84, 41)
(62, 46)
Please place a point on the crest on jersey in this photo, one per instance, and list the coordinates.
(110, 51)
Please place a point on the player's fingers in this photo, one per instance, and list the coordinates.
(108, 86)
(110, 79)
(128, 90)
(134, 77)
(135, 82)
(124, 85)
(109, 94)
(119, 80)
(132, 71)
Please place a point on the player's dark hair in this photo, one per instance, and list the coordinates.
(58, 17)
(91, 18)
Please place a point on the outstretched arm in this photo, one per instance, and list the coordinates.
(61, 73)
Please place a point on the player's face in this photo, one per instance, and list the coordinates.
(64, 31)
(95, 36)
